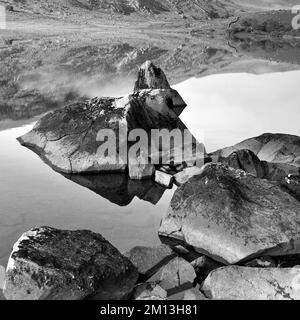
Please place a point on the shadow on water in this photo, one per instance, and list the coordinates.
(118, 188)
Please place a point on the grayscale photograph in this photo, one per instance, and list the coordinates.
(149, 150)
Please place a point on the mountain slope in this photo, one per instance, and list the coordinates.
(185, 8)
(197, 9)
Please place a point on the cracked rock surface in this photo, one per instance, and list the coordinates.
(242, 283)
(75, 139)
(51, 264)
(231, 216)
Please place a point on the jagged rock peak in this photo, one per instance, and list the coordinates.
(151, 77)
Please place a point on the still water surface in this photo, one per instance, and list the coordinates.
(229, 108)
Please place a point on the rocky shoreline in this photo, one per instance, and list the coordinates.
(232, 230)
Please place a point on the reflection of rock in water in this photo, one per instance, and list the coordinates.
(119, 189)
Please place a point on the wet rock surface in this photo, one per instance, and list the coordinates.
(51, 264)
(230, 216)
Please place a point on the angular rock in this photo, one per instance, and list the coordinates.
(151, 77)
(203, 267)
(241, 283)
(177, 275)
(245, 160)
(148, 260)
(231, 216)
(149, 291)
(187, 173)
(163, 179)
(92, 136)
(146, 190)
(278, 148)
(51, 264)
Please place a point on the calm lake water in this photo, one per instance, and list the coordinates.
(228, 108)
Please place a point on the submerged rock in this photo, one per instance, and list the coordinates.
(148, 260)
(231, 216)
(51, 264)
(241, 283)
(149, 291)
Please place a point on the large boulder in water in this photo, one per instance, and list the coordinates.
(74, 139)
(231, 216)
(277, 148)
(51, 264)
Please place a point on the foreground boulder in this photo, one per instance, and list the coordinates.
(51, 264)
(241, 283)
(231, 216)
(277, 148)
